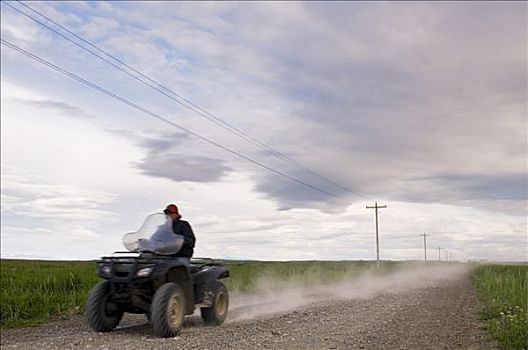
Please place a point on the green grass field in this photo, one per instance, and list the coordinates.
(35, 292)
(504, 291)
(32, 292)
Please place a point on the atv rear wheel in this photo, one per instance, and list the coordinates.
(217, 313)
(103, 315)
(167, 310)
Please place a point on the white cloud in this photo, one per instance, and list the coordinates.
(26, 195)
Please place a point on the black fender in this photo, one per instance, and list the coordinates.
(204, 282)
(179, 273)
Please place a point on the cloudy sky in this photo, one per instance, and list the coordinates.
(419, 106)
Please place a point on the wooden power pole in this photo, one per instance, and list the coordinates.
(439, 249)
(425, 245)
(376, 207)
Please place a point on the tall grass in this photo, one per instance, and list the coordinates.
(33, 292)
(504, 290)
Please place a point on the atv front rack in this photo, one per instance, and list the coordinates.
(133, 256)
(147, 258)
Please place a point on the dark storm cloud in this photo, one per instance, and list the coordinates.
(153, 141)
(58, 107)
(180, 167)
(164, 142)
(486, 187)
(170, 158)
(170, 155)
(284, 208)
(279, 187)
(289, 194)
(467, 188)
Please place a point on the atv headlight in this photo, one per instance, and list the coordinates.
(144, 272)
(106, 270)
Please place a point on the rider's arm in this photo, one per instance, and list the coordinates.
(188, 235)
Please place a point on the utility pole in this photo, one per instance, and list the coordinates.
(446, 252)
(376, 207)
(439, 249)
(425, 245)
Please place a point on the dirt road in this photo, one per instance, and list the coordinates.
(442, 315)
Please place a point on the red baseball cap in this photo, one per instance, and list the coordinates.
(171, 209)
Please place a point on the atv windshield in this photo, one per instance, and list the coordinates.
(155, 235)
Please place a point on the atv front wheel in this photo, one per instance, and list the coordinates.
(103, 315)
(167, 310)
(217, 313)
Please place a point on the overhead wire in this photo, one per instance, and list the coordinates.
(146, 80)
(159, 117)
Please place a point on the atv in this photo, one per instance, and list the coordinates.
(148, 280)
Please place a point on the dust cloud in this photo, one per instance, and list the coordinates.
(273, 296)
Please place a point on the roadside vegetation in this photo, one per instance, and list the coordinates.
(35, 292)
(32, 292)
(504, 291)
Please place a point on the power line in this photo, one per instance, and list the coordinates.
(376, 207)
(157, 116)
(172, 95)
(439, 249)
(425, 244)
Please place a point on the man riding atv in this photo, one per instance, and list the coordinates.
(183, 228)
(158, 278)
